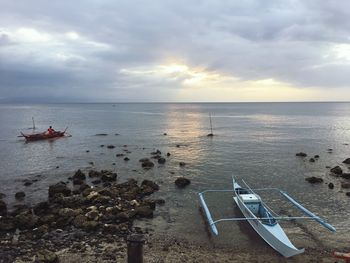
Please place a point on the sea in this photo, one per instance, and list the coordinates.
(254, 142)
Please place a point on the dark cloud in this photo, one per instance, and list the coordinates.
(78, 49)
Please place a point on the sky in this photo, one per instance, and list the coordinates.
(174, 51)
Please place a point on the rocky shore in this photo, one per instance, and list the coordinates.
(78, 219)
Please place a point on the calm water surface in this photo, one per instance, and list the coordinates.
(256, 142)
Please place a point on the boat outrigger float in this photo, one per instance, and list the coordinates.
(263, 220)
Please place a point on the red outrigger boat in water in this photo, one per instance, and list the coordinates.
(44, 135)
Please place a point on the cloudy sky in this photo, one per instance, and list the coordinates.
(179, 50)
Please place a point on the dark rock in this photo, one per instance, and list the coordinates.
(151, 184)
(178, 145)
(182, 164)
(157, 152)
(57, 167)
(110, 146)
(337, 170)
(144, 160)
(147, 164)
(165, 134)
(101, 134)
(312, 160)
(331, 186)
(316, 156)
(314, 180)
(348, 194)
(119, 154)
(345, 175)
(91, 163)
(345, 185)
(144, 211)
(2, 195)
(301, 154)
(102, 145)
(20, 195)
(59, 188)
(328, 167)
(87, 151)
(98, 181)
(161, 160)
(46, 256)
(27, 183)
(156, 157)
(79, 175)
(168, 154)
(25, 220)
(41, 208)
(3, 208)
(116, 134)
(125, 145)
(93, 173)
(83, 187)
(181, 182)
(347, 161)
(108, 176)
(77, 182)
(6, 224)
(126, 159)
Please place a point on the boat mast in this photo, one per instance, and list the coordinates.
(211, 127)
(33, 123)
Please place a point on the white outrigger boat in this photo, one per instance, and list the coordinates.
(263, 220)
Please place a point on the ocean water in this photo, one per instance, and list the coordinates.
(256, 142)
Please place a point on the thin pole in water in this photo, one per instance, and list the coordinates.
(211, 127)
(33, 123)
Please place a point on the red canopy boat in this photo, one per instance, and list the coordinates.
(43, 135)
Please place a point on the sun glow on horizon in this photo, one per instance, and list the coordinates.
(207, 85)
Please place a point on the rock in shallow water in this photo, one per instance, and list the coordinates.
(314, 180)
(182, 182)
(347, 161)
(301, 154)
(20, 195)
(337, 170)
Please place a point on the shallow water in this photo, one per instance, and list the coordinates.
(256, 142)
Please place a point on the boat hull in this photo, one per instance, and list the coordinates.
(42, 136)
(273, 235)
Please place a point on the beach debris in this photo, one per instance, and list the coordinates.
(347, 161)
(182, 182)
(20, 195)
(301, 154)
(337, 170)
(331, 186)
(110, 146)
(314, 180)
(311, 160)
